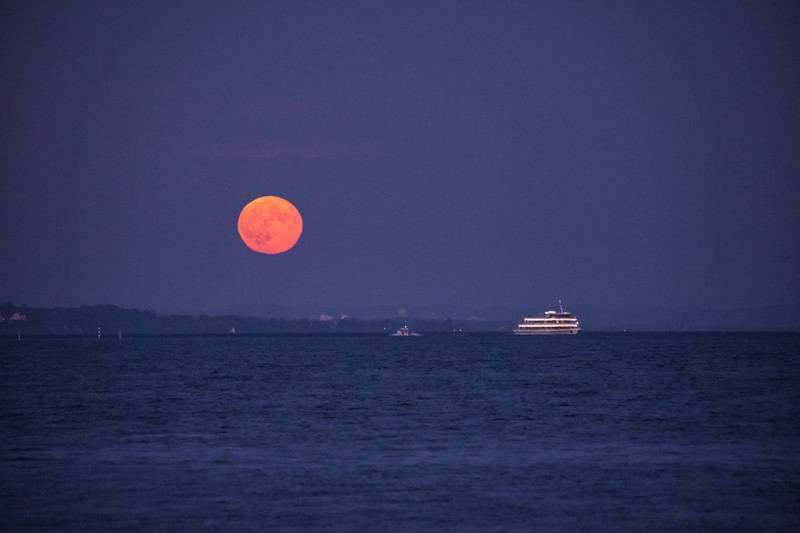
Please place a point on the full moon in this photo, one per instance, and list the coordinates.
(270, 225)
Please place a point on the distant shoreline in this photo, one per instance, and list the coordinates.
(84, 321)
(144, 336)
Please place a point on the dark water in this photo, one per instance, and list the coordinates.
(599, 432)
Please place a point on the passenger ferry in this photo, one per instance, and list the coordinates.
(551, 323)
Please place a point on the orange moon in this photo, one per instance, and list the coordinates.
(270, 225)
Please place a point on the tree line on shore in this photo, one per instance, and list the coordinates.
(112, 320)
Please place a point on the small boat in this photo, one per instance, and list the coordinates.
(405, 331)
(551, 323)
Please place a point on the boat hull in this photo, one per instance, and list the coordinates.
(562, 331)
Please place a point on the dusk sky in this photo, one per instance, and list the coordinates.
(469, 153)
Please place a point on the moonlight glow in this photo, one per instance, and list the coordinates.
(270, 225)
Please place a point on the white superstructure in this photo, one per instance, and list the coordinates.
(551, 323)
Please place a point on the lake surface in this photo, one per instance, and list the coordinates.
(597, 432)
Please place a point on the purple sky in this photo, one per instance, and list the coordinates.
(470, 153)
